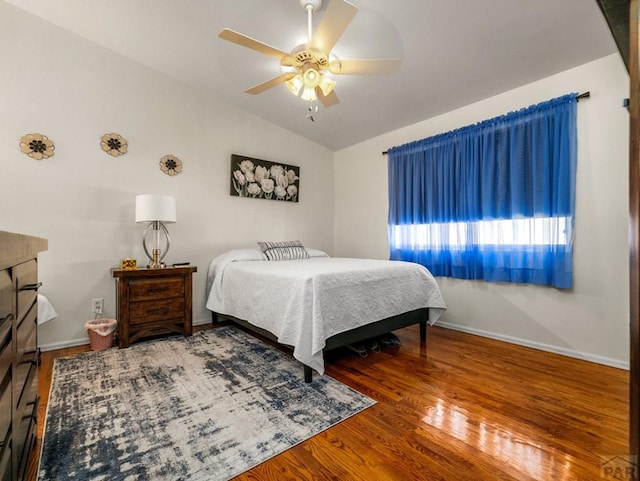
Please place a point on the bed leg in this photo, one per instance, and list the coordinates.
(308, 374)
(423, 331)
(214, 318)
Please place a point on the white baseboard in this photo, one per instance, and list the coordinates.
(607, 361)
(202, 322)
(81, 342)
(64, 344)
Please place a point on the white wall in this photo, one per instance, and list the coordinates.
(589, 321)
(82, 200)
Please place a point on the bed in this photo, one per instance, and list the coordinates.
(319, 303)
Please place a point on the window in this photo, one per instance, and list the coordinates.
(492, 201)
(459, 235)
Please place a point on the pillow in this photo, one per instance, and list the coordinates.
(316, 252)
(283, 251)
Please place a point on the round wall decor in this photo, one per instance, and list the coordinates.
(37, 146)
(114, 144)
(171, 165)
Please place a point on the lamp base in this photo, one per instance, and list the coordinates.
(156, 263)
(155, 254)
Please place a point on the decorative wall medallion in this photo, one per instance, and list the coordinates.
(170, 165)
(37, 146)
(262, 179)
(114, 144)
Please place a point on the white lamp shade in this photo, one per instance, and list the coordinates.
(152, 207)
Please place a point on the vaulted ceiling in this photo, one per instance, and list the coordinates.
(453, 52)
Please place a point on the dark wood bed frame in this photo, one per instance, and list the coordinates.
(419, 316)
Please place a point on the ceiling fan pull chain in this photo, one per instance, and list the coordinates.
(313, 109)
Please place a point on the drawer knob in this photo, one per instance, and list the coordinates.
(31, 287)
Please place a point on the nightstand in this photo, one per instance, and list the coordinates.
(153, 301)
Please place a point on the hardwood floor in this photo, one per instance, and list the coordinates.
(462, 408)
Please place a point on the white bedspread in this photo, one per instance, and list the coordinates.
(304, 302)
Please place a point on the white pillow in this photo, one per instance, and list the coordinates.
(316, 252)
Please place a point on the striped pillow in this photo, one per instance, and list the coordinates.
(283, 251)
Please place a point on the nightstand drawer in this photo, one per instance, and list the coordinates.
(158, 310)
(160, 288)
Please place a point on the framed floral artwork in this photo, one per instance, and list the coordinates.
(262, 179)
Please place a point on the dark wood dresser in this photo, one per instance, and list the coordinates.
(18, 351)
(153, 301)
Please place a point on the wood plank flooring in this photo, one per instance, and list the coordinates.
(462, 408)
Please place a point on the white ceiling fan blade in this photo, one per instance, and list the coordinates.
(335, 21)
(258, 89)
(374, 66)
(243, 40)
(327, 100)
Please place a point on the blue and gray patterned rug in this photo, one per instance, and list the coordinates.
(207, 407)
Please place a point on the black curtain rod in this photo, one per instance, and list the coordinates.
(584, 95)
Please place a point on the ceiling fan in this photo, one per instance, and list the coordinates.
(307, 69)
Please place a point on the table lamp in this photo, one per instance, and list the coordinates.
(157, 210)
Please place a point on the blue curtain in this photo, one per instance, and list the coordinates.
(492, 201)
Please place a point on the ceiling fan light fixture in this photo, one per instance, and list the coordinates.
(295, 84)
(311, 78)
(335, 66)
(326, 84)
(309, 94)
(305, 69)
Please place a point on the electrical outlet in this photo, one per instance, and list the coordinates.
(97, 305)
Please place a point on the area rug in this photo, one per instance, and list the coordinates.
(206, 407)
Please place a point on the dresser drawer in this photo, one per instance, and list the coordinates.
(25, 384)
(6, 357)
(160, 288)
(5, 329)
(5, 408)
(5, 462)
(27, 285)
(158, 310)
(23, 439)
(6, 299)
(26, 339)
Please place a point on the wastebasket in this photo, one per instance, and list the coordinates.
(101, 332)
